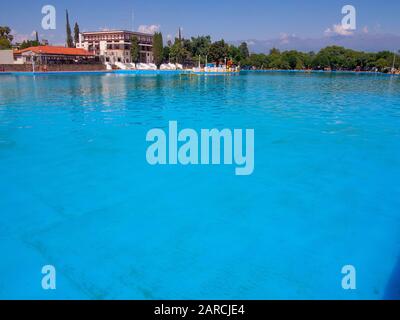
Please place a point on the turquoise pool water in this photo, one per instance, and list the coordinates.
(76, 191)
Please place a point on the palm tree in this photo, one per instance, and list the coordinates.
(5, 33)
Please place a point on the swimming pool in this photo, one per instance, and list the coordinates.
(77, 192)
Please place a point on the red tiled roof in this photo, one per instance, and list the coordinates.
(56, 51)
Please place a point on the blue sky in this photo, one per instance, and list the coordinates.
(232, 20)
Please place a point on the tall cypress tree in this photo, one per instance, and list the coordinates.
(180, 34)
(135, 49)
(36, 37)
(76, 33)
(70, 42)
(158, 48)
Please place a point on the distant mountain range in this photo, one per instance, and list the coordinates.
(362, 41)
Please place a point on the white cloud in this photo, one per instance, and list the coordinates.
(149, 28)
(284, 38)
(338, 29)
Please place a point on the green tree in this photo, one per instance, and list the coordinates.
(274, 51)
(236, 55)
(179, 53)
(69, 40)
(290, 59)
(294, 60)
(200, 46)
(218, 51)
(166, 53)
(5, 37)
(29, 43)
(76, 33)
(36, 37)
(308, 59)
(381, 64)
(277, 62)
(188, 46)
(135, 50)
(5, 44)
(244, 50)
(258, 61)
(5, 32)
(334, 57)
(158, 53)
(321, 61)
(274, 59)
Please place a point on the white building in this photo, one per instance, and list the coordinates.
(115, 46)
